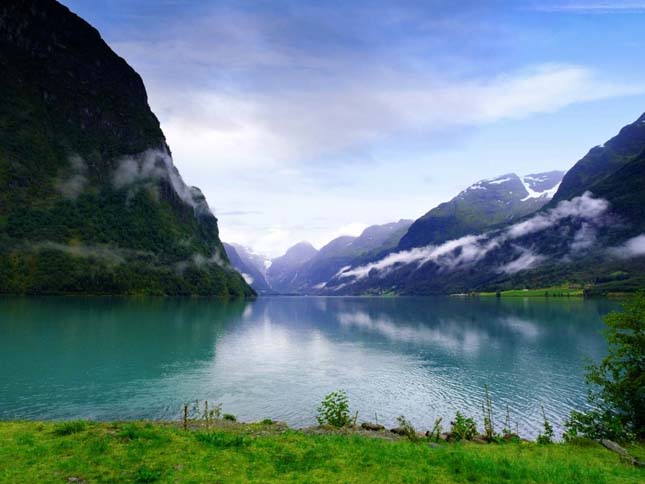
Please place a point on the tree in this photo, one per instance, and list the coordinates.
(617, 383)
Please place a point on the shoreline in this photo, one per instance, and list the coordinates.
(143, 451)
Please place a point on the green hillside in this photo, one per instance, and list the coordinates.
(90, 201)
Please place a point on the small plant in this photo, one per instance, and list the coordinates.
(487, 409)
(71, 427)
(435, 433)
(267, 421)
(463, 428)
(334, 410)
(407, 429)
(547, 436)
(216, 412)
(507, 423)
(230, 417)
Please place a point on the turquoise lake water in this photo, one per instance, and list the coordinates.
(111, 358)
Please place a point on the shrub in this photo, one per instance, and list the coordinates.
(547, 436)
(229, 416)
(435, 433)
(407, 429)
(487, 410)
(334, 410)
(617, 383)
(463, 428)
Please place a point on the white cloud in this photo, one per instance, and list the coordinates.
(526, 260)
(74, 179)
(584, 238)
(469, 249)
(306, 123)
(633, 247)
(584, 207)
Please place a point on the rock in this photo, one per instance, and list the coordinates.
(372, 426)
(614, 447)
(511, 436)
(446, 436)
(398, 431)
(479, 439)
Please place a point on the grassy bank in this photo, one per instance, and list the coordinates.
(554, 291)
(231, 452)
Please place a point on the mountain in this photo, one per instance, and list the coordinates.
(592, 234)
(90, 200)
(482, 205)
(604, 160)
(379, 238)
(284, 269)
(311, 274)
(252, 266)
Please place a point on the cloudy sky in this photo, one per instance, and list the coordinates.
(305, 120)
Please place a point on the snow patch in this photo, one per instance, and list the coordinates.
(499, 181)
(549, 193)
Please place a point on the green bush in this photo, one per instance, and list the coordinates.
(334, 410)
(617, 383)
(229, 416)
(463, 428)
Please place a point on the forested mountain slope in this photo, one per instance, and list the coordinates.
(90, 201)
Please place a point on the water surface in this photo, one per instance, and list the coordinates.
(111, 358)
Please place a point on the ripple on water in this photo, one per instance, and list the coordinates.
(277, 357)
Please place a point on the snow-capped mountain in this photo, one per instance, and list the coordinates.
(483, 204)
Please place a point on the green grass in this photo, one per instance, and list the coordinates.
(150, 452)
(554, 291)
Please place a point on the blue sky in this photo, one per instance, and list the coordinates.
(307, 120)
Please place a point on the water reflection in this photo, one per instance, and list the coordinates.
(277, 357)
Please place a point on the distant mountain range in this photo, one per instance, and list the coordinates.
(591, 233)
(305, 270)
(585, 228)
(252, 266)
(90, 200)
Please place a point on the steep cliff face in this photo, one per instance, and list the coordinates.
(604, 160)
(90, 201)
